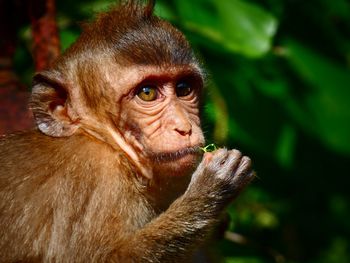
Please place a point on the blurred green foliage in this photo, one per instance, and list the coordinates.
(279, 90)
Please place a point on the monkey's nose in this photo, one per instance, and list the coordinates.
(184, 131)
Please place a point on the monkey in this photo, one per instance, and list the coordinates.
(113, 172)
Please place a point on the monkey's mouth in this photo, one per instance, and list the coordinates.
(174, 156)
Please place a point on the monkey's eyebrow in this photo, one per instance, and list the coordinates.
(171, 76)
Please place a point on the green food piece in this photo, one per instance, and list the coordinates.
(209, 148)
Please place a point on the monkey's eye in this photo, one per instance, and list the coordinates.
(183, 89)
(147, 93)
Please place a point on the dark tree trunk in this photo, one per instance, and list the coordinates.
(14, 113)
(14, 96)
(46, 44)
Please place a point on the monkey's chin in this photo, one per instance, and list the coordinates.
(182, 166)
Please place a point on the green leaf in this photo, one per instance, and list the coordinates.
(286, 146)
(338, 251)
(235, 25)
(96, 6)
(163, 11)
(326, 107)
(217, 112)
(209, 148)
(243, 260)
(67, 38)
(340, 8)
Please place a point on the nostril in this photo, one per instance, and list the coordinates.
(184, 132)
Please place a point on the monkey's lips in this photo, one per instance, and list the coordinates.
(185, 154)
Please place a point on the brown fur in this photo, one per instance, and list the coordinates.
(108, 179)
(65, 199)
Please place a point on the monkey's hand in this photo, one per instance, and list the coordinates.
(219, 178)
(173, 235)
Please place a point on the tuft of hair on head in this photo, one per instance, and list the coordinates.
(125, 14)
(136, 36)
(150, 7)
(147, 8)
(133, 35)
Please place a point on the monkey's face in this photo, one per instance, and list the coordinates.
(159, 113)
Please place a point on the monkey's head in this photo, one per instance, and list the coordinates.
(132, 81)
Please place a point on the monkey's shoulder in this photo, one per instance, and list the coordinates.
(34, 142)
(35, 153)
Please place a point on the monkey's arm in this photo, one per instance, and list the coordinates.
(188, 221)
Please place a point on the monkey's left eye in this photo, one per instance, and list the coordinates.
(183, 89)
(147, 93)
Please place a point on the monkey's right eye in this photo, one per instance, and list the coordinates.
(147, 93)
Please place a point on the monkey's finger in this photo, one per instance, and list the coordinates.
(233, 160)
(244, 166)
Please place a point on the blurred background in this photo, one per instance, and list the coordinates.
(278, 89)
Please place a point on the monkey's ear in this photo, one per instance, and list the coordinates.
(50, 105)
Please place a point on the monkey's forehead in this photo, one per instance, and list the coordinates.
(124, 77)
